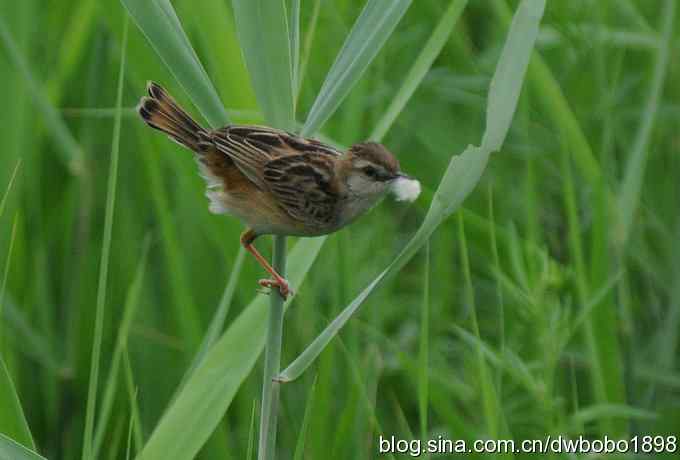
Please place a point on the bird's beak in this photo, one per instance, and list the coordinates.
(401, 175)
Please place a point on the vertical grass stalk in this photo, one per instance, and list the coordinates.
(104, 262)
(423, 348)
(272, 360)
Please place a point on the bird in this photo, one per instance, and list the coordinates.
(277, 182)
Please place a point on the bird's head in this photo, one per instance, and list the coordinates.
(374, 171)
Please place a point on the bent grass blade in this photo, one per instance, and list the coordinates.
(463, 173)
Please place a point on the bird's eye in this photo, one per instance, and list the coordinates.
(370, 171)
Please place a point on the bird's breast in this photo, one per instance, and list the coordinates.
(354, 206)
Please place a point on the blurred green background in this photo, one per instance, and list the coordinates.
(570, 326)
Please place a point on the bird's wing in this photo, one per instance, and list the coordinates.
(253, 147)
(305, 187)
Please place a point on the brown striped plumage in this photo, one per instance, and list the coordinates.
(274, 181)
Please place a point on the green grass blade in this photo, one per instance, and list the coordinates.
(128, 448)
(262, 28)
(497, 268)
(132, 396)
(490, 403)
(217, 324)
(3, 286)
(302, 436)
(635, 168)
(3, 202)
(421, 66)
(158, 22)
(200, 406)
(71, 153)
(504, 91)
(12, 419)
(104, 263)
(184, 307)
(167, 8)
(367, 37)
(599, 411)
(272, 361)
(506, 361)
(581, 318)
(462, 175)
(365, 383)
(295, 48)
(307, 48)
(214, 23)
(251, 433)
(116, 439)
(129, 312)
(11, 450)
(424, 349)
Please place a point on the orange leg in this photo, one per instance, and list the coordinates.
(247, 239)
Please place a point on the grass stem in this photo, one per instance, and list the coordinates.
(272, 361)
(104, 265)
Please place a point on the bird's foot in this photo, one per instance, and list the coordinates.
(281, 284)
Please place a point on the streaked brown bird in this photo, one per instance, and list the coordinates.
(277, 182)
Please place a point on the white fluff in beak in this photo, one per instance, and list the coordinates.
(405, 189)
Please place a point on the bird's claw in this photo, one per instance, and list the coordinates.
(282, 285)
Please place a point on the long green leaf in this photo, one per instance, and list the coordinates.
(462, 175)
(104, 262)
(8, 264)
(635, 168)
(3, 201)
(489, 397)
(214, 24)
(11, 450)
(251, 433)
(269, 412)
(424, 348)
(307, 48)
(5, 195)
(217, 323)
(201, 404)
(12, 419)
(159, 23)
(263, 33)
(420, 67)
(295, 48)
(129, 311)
(504, 90)
(367, 37)
(302, 436)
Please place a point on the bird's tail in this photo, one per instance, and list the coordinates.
(160, 111)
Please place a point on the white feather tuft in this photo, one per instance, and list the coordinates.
(406, 189)
(217, 199)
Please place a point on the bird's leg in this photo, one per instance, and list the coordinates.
(247, 239)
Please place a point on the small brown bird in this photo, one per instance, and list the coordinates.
(279, 183)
